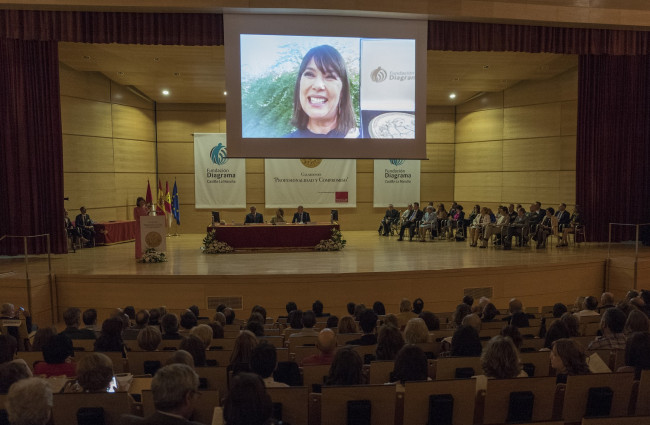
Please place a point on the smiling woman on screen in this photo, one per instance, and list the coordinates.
(322, 106)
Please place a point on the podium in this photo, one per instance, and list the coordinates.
(153, 233)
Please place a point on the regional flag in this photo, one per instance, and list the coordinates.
(160, 203)
(168, 199)
(176, 213)
(149, 199)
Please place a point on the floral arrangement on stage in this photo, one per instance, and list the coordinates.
(335, 243)
(153, 256)
(212, 246)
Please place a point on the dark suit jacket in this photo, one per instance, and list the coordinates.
(366, 339)
(563, 218)
(82, 221)
(74, 333)
(305, 217)
(257, 218)
(392, 215)
(418, 215)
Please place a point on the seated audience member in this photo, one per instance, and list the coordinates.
(154, 317)
(7, 348)
(406, 213)
(606, 301)
(193, 345)
(89, 319)
(636, 322)
(175, 390)
(180, 357)
(500, 359)
(391, 319)
(350, 307)
(295, 319)
(261, 311)
(571, 323)
(429, 222)
(308, 323)
(326, 345)
(520, 320)
(42, 337)
(290, 306)
(519, 227)
(358, 309)
(379, 308)
(220, 318)
(149, 338)
(545, 228)
(465, 342)
(473, 320)
(57, 354)
(188, 321)
(10, 373)
(416, 332)
(29, 402)
(496, 228)
(129, 311)
(477, 227)
(612, 325)
(568, 358)
(85, 225)
(230, 317)
(391, 217)
(563, 216)
(204, 333)
(644, 295)
(94, 373)
(301, 216)
(141, 322)
(489, 313)
(263, 362)
(248, 402)
(73, 233)
(410, 365)
(347, 325)
(559, 309)
(169, 326)
(389, 342)
(279, 216)
(574, 222)
(368, 323)
(405, 313)
(254, 216)
(195, 310)
(240, 358)
(345, 368)
(455, 221)
(461, 311)
(557, 330)
(317, 308)
(589, 306)
(637, 359)
(111, 337)
(513, 333)
(332, 322)
(418, 305)
(431, 320)
(414, 217)
(468, 299)
(72, 319)
(20, 333)
(217, 330)
(255, 326)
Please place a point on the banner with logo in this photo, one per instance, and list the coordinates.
(219, 181)
(312, 183)
(153, 233)
(397, 182)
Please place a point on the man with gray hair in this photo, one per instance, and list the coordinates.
(29, 402)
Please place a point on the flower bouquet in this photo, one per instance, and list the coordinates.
(212, 246)
(334, 243)
(153, 256)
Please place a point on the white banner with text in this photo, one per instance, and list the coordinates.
(312, 183)
(219, 181)
(397, 182)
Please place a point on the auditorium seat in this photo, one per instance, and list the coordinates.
(630, 420)
(456, 367)
(222, 357)
(365, 350)
(302, 351)
(337, 403)
(379, 372)
(539, 360)
(203, 405)
(276, 340)
(83, 344)
(169, 344)
(231, 333)
(643, 398)
(300, 341)
(504, 396)
(417, 399)
(342, 339)
(120, 364)
(293, 404)
(147, 362)
(578, 389)
(223, 343)
(213, 378)
(30, 357)
(314, 375)
(66, 406)
(534, 344)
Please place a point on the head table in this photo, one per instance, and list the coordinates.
(273, 236)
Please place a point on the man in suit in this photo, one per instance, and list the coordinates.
(72, 319)
(414, 217)
(301, 216)
(563, 216)
(85, 224)
(391, 216)
(254, 216)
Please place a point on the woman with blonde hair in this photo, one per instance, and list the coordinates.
(149, 338)
(242, 352)
(636, 321)
(500, 359)
(347, 325)
(568, 358)
(204, 332)
(416, 332)
(478, 225)
(94, 373)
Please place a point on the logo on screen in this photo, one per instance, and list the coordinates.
(396, 162)
(219, 155)
(311, 163)
(378, 75)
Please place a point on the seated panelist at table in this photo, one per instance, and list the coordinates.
(301, 216)
(85, 224)
(254, 216)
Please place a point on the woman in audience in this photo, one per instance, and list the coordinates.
(558, 330)
(347, 325)
(389, 342)
(571, 323)
(204, 333)
(500, 359)
(94, 373)
(477, 226)
(576, 220)
(410, 365)
(10, 373)
(489, 313)
(188, 321)
(513, 333)
(181, 357)
(464, 343)
(29, 402)
(637, 321)
(462, 310)
(295, 319)
(42, 337)
(559, 309)
(378, 308)
(428, 222)
(149, 338)
(111, 337)
(568, 358)
(217, 330)
(391, 319)
(57, 354)
(248, 402)
(416, 332)
(637, 354)
(242, 352)
(193, 345)
(495, 228)
(520, 320)
(431, 320)
(332, 322)
(345, 368)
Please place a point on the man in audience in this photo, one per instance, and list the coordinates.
(195, 309)
(230, 317)
(563, 217)
(263, 362)
(301, 216)
(17, 323)
(516, 306)
(169, 326)
(391, 216)
(418, 305)
(612, 325)
(85, 225)
(29, 402)
(606, 301)
(72, 319)
(368, 323)
(350, 307)
(589, 307)
(414, 217)
(405, 313)
(89, 319)
(254, 216)
(317, 307)
(469, 300)
(326, 345)
(141, 322)
(308, 323)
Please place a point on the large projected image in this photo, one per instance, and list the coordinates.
(327, 87)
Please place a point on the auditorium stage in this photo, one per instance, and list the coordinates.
(370, 268)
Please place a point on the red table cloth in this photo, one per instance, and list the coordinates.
(114, 232)
(273, 236)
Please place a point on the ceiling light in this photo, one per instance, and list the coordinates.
(165, 92)
(486, 66)
(177, 74)
(86, 57)
(225, 93)
(452, 96)
(156, 59)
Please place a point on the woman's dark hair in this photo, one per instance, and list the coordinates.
(295, 319)
(345, 368)
(329, 61)
(261, 311)
(111, 337)
(410, 365)
(431, 320)
(57, 349)
(500, 358)
(332, 322)
(465, 342)
(140, 198)
(350, 307)
(514, 334)
(188, 320)
(559, 309)
(217, 330)
(256, 327)
(193, 345)
(291, 306)
(572, 356)
(248, 402)
(489, 312)
(418, 305)
(637, 348)
(154, 317)
(10, 373)
(378, 308)
(389, 342)
(462, 310)
(571, 323)
(42, 337)
(8, 348)
(557, 330)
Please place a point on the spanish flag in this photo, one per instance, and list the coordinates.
(168, 199)
(160, 204)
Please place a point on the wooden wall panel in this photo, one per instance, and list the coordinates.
(175, 158)
(84, 85)
(134, 156)
(179, 126)
(85, 117)
(133, 123)
(440, 159)
(94, 190)
(440, 128)
(365, 165)
(121, 95)
(554, 90)
(437, 186)
(255, 189)
(479, 126)
(532, 154)
(568, 153)
(487, 101)
(129, 186)
(483, 156)
(541, 120)
(365, 187)
(477, 187)
(87, 154)
(255, 165)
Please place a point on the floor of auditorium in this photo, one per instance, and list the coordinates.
(365, 252)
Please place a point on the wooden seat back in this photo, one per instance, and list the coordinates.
(294, 401)
(539, 359)
(380, 372)
(314, 375)
(203, 405)
(334, 403)
(216, 378)
(446, 366)
(65, 406)
(577, 390)
(136, 359)
(497, 398)
(342, 339)
(416, 400)
(643, 397)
